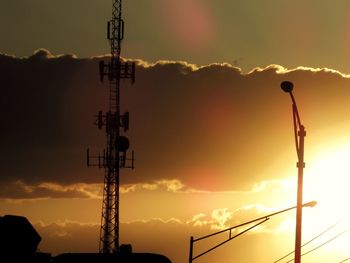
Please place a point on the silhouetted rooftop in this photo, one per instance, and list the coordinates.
(18, 237)
(106, 258)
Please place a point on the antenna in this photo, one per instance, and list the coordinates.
(114, 156)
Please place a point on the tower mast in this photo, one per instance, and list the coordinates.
(114, 155)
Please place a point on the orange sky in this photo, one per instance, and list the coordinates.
(213, 140)
(214, 148)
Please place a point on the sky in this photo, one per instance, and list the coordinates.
(211, 129)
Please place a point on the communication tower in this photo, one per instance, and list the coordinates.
(114, 156)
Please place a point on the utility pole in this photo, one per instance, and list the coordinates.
(299, 137)
(114, 156)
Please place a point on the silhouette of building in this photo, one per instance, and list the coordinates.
(110, 257)
(19, 244)
(19, 241)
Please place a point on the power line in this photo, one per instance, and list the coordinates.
(344, 260)
(328, 241)
(322, 233)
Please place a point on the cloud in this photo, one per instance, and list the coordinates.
(167, 237)
(74, 237)
(224, 218)
(44, 54)
(167, 185)
(221, 216)
(216, 221)
(19, 190)
(68, 236)
(212, 128)
(171, 238)
(282, 70)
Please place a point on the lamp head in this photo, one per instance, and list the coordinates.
(287, 86)
(310, 204)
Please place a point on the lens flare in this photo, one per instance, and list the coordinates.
(190, 24)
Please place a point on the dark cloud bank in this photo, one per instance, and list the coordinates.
(211, 127)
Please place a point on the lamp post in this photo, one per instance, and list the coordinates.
(257, 221)
(299, 135)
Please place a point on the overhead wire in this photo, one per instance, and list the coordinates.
(328, 241)
(344, 260)
(314, 238)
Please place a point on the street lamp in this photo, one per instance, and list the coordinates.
(299, 135)
(257, 222)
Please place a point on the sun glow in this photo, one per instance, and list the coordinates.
(327, 180)
(325, 227)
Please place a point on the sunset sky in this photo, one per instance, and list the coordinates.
(211, 129)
